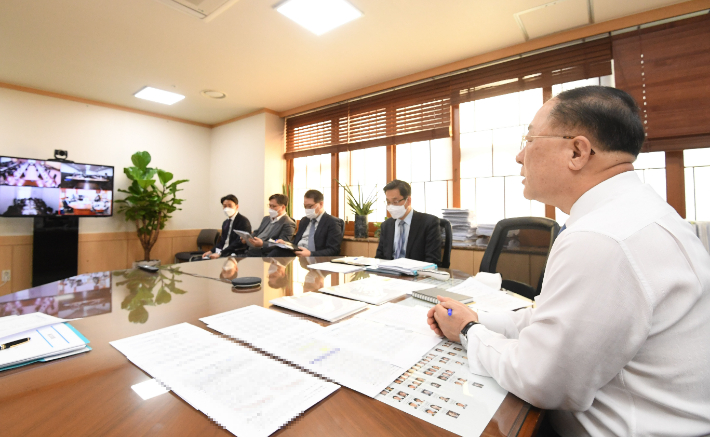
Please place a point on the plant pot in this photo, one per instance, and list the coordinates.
(360, 226)
(151, 263)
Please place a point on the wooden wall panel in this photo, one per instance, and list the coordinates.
(162, 251)
(371, 249)
(354, 248)
(184, 244)
(462, 260)
(477, 258)
(6, 264)
(514, 266)
(100, 256)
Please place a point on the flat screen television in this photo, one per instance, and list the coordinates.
(38, 188)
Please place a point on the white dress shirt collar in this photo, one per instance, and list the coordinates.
(602, 193)
(407, 219)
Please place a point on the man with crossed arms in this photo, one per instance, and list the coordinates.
(619, 341)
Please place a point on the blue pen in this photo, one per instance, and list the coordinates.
(449, 311)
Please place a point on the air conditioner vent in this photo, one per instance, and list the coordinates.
(202, 9)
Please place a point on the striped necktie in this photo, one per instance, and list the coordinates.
(401, 249)
(312, 235)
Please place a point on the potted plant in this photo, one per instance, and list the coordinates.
(361, 207)
(148, 203)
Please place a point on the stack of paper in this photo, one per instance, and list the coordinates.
(375, 290)
(335, 268)
(320, 305)
(37, 337)
(357, 261)
(489, 299)
(463, 226)
(246, 393)
(361, 354)
(401, 266)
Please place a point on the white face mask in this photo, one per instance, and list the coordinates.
(311, 213)
(229, 211)
(273, 213)
(396, 211)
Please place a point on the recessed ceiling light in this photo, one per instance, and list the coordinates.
(213, 94)
(159, 96)
(319, 16)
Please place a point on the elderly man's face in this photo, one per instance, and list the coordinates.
(544, 160)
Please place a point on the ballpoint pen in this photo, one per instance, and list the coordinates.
(450, 310)
(14, 343)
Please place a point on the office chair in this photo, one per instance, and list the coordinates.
(500, 239)
(207, 237)
(341, 223)
(445, 226)
(67, 208)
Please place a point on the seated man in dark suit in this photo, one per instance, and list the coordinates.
(229, 242)
(319, 233)
(408, 234)
(275, 226)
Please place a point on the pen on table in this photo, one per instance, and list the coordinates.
(450, 310)
(14, 343)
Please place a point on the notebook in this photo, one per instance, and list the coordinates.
(321, 306)
(375, 290)
(430, 295)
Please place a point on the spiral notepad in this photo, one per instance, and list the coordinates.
(430, 294)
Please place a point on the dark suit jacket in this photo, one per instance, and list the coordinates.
(283, 230)
(241, 223)
(327, 238)
(423, 243)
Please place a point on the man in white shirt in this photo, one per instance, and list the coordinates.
(619, 341)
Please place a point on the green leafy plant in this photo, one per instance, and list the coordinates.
(149, 202)
(140, 290)
(287, 190)
(360, 205)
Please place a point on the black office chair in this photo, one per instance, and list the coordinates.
(67, 208)
(206, 237)
(501, 238)
(445, 226)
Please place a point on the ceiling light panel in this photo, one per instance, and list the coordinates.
(319, 16)
(159, 96)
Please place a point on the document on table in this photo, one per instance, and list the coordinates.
(337, 268)
(15, 324)
(375, 290)
(400, 316)
(322, 306)
(308, 345)
(489, 299)
(442, 391)
(247, 393)
(52, 341)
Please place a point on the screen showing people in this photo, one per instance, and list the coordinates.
(30, 187)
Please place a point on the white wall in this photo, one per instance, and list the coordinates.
(247, 161)
(33, 126)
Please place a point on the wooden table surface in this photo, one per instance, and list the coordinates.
(90, 394)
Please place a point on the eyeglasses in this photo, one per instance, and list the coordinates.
(311, 206)
(395, 202)
(530, 138)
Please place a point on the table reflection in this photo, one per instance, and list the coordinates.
(141, 287)
(76, 297)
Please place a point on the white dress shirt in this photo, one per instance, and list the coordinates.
(307, 233)
(229, 234)
(398, 223)
(619, 341)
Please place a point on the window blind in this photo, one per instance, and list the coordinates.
(423, 111)
(666, 69)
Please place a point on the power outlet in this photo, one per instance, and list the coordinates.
(6, 276)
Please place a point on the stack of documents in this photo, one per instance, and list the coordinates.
(322, 306)
(401, 266)
(463, 225)
(489, 299)
(363, 353)
(375, 290)
(357, 261)
(483, 234)
(243, 391)
(36, 337)
(335, 268)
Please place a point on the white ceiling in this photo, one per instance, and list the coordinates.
(107, 50)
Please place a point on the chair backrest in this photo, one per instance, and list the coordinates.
(445, 226)
(208, 237)
(501, 238)
(341, 223)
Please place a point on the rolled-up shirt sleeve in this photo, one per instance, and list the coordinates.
(556, 356)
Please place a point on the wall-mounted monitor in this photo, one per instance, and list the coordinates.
(36, 188)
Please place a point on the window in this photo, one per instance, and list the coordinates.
(697, 184)
(427, 167)
(491, 129)
(366, 170)
(310, 173)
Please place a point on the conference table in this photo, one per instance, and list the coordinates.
(90, 394)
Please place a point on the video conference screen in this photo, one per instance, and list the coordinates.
(32, 187)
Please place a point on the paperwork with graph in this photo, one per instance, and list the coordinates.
(322, 306)
(248, 394)
(441, 390)
(487, 298)
(360, 354)
(375, 290)
(37, 337)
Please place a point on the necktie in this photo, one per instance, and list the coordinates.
(311, 236)
(401, 248)
(562, 229)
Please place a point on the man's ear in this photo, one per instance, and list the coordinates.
(581, 149)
